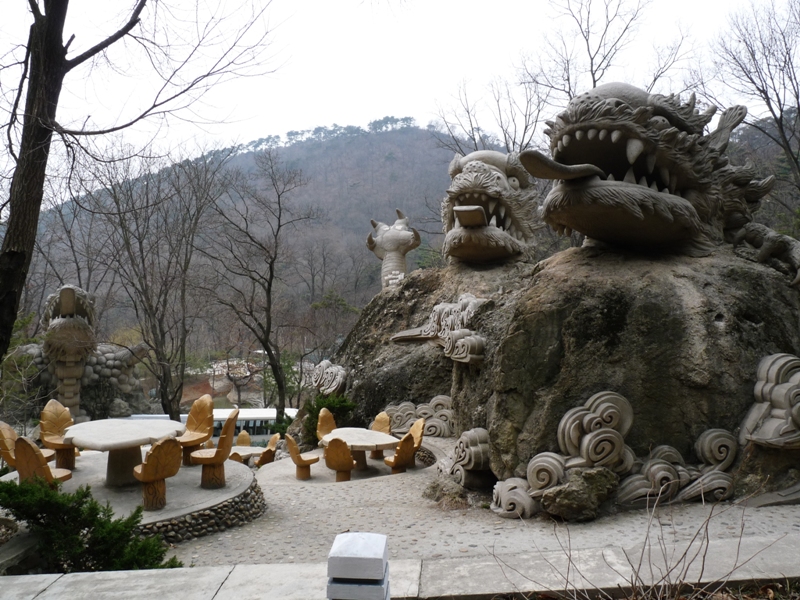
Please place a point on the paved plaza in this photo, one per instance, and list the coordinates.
(438, 553)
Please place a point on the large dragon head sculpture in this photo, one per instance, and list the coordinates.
(68, 321)
(490, 210)
(636, 169)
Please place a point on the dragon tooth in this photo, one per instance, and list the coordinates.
(616, 135)
(493, 221)
(492, 205)
(591, 134)
(651, 162)
(633, 150)
(579, 134)
(610, 177)
(560, 146)
(665, 191)
(654, 186)
(630, 177)
(643, 181)
(566, 139)
(501, 211)
(603, 134)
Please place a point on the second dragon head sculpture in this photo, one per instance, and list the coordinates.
(490, 211)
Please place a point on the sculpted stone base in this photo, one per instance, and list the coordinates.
(680, 337)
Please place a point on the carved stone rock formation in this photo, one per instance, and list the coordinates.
(447, 327)
(391, 243)
(490, 212)
(592, 437)
(636, 169)
(469, 466)
(437, 413)
(510, 499)
(679, 336)
(774, 419)
(329, 378)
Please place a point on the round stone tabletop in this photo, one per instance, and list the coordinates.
(115, 434)
(362, 439)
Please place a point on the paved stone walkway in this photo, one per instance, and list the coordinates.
(303, 518)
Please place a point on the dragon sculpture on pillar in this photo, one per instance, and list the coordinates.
(70, 358)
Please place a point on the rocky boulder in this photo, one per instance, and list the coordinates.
(679, 337)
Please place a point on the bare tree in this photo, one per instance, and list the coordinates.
(757, 60)
(154, 211)
(600, 30)
(249, 251)
(36, 76)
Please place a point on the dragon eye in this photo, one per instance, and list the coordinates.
(513, 182)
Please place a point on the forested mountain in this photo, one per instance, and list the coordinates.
(356, 175)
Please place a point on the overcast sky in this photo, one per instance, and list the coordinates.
(353, 61)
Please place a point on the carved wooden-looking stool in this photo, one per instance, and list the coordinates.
(163, 460)
(417, 431)
(339, 458)
(403, 455)
(199, 427)
(383, 423)
(302, 463)
(213, 460)
(32, 463)
(325, 424)
(55, 418)
(243, 439)
(8, 439)
(269, 454)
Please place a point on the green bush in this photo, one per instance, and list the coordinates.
(282, 425)
(76, 533)
(340, 407)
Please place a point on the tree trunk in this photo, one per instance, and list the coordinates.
(47, 68)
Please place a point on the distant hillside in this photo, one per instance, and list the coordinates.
(357, 175)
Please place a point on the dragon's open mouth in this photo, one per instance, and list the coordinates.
(483, 228)
(477, 209)
(620, 181)
(68, 304)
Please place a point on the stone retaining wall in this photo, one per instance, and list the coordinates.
(234, 512)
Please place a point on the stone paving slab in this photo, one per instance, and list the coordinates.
(194, 584)
(25, 587)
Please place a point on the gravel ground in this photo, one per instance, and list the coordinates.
(304, 517)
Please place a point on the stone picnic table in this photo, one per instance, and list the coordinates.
(360, 440)
(122, 439)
